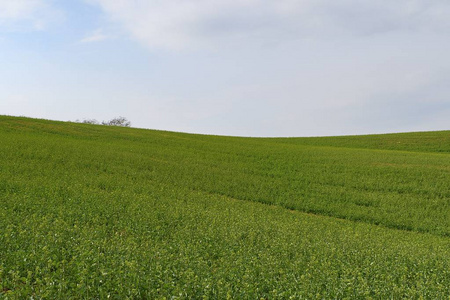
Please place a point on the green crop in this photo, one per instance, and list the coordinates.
(98, 212)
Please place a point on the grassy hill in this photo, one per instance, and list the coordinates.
(92, 211)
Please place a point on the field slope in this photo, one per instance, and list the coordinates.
(91, 211)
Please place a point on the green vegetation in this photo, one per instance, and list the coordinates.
(91, 211)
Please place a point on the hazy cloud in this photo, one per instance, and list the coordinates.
(18, 9)
(26, 14)
(180, 24)
(96, 36)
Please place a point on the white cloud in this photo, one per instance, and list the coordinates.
(95, 36)
(179, 24)
(26, 14)
(18, 9)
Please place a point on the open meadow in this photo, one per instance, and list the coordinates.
(96, 212)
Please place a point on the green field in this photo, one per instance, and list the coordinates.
(99, 212)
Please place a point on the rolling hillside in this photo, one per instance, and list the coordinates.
(92, 211)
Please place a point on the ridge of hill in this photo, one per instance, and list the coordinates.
(426, 141)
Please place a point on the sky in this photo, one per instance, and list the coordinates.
(243, 68)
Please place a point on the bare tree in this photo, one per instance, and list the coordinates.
(119, 121)
(90, 121)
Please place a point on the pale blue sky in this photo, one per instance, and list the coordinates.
(248, 68)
